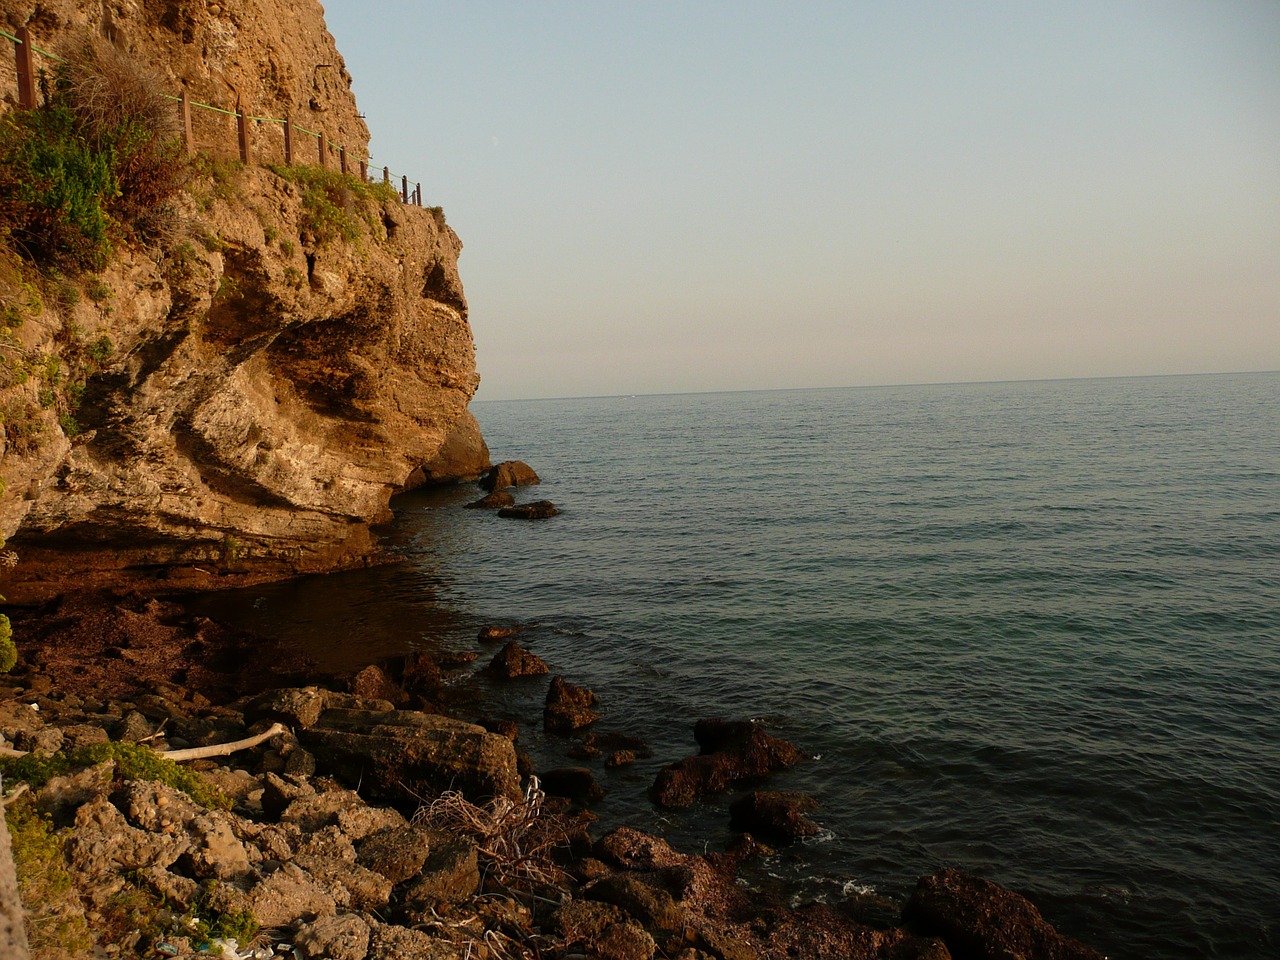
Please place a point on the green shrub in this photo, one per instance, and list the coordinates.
(333, 203)
(8, 652)
(55, 921)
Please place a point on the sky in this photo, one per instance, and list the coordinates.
(660, 197)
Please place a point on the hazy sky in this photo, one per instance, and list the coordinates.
(681, 196)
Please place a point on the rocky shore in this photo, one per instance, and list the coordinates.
(376, 821)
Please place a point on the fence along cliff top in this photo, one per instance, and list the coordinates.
(25, 51)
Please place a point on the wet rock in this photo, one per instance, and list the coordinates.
(405, 755)
(450, 873)
(620, 758)
(583, 921)
(731, 753)
(574, 783)
(343, 937)
(775, 816)
(979, 920)
(490, 634)
(492, 501)
(514, 661)
(509, 473)
(504, 727)
(568, 707)
(288, 895)
(421, 675)
(631, 849)
(372, 684)
(397, 854)
(537, 510)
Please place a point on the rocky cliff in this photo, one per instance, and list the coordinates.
(245, 395)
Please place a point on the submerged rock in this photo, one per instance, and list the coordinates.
(774, 816)
(731, 752)
(514, 661)
(492, 501)
(568, 707)
(537, 510)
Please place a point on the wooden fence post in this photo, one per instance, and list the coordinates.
(188, 136)
(417, 194)
(288, 142)
(342, 159)
(242, 127)
(404, 189)
(324, 148)
(26, 69)
(386, 174)
(364, 170)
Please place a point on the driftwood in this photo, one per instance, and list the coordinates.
(193, 753)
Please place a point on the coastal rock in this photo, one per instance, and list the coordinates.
(298, 707)
(979, 920)
(342, 937)
(652, 906)
(388, 942)
(537, 510)
(509, 473)
(406, 755)
(372, 684)
(514, 661)
(397, 854)
(731, 752)
(493, 633)
(492, 501)
(568, 707)
(774, 816)
(463, 456)
(287, 895)
(574, 783)
(450, 874)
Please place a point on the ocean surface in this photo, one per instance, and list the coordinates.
(1031, 630)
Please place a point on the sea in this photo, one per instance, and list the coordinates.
(1029, 630)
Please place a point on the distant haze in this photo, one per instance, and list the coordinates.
(684, 196)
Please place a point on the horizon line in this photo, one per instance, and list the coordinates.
(873, 386)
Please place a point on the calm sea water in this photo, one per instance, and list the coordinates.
(1031, 630)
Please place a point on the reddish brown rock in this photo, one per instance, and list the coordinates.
(514, 661)
(372, 684)
(979, 920)
(573, 783)
(463, 456)
(509, 473)
(774, 816)
(490, 634)
(568, 707)
(731, 753)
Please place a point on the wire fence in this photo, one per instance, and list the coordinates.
(256, 137)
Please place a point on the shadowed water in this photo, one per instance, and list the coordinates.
(1031, 629)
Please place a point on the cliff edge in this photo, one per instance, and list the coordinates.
(241, 395)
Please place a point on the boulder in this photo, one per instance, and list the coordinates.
(774, 816)
(568, 707)
(492, 501)
(450, 874)
(406, 755)
(296, 707)
(979, 920)
(372, 684)
(514, 661)
(731, 753)
(397, 854)
(463, 456)
(652, 906)
(389, 942)
(537, 510)
(288, 895)
(509, 473)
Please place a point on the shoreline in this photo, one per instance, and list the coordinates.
(200, 674)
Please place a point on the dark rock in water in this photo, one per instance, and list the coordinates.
(620, 758)
(490, 634)
(652, 906)
(774, 816)
(574, 783)
(979, 920)
(509, 473)
(491, 501)
(732, 751)
(537, 510)
(403, 755)
(504, 727)
(568, 707)
(514, 661)
(421, 675)
(372, 684)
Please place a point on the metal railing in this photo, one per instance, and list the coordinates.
(248, 126)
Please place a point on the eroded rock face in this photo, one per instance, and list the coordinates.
(266, 387)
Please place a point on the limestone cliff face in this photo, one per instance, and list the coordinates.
(258, 387)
